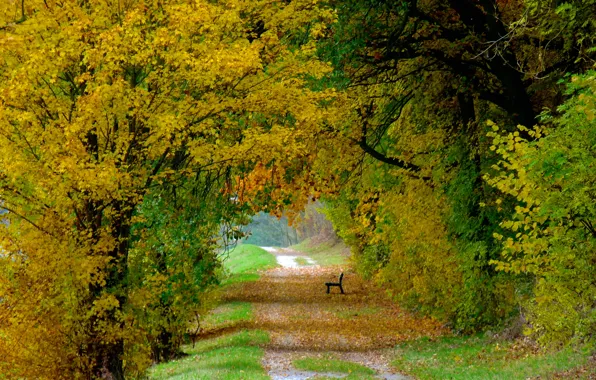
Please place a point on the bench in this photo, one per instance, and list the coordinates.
(330, 284)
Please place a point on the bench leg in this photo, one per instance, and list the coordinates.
(328, 289)
(342, 289)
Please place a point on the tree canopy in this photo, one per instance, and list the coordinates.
(452, 141)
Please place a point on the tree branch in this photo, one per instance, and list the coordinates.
(390, 160)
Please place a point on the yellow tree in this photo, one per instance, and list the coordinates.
(100, 103)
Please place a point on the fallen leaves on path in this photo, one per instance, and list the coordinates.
(292, 305)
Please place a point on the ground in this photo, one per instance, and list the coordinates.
(278, 322)
(361, 326)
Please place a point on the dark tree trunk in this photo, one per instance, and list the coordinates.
(164, 348)
(482, 18)
(107, 356)
(110, 365)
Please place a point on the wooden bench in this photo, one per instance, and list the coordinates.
(330, 284)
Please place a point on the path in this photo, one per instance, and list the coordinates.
(291, 303)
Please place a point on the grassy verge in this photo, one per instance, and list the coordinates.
(325, 253)
(238, 353)
(232, 356)
(227, 315)
(244, 261)
(331, 365)
(480, 358)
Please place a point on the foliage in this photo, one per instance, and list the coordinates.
(173, 265)
(550, 236)
(134, 133)
(477, 357)
(421, 79)
(570, 25)
(103, 105)
(312, 224)
(404, 244)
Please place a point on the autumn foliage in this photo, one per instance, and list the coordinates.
(105, 107)
(135, 134)
(434, 204)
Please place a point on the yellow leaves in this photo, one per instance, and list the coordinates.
(492, 125)
(524, 251)
(105, 304)
(98, 102)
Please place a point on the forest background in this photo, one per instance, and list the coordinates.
(453, 142)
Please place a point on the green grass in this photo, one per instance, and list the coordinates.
(240, 277)
(246, 258)
(332, 365)
(227, 315)
(229, 357)
(478, 358)
(324, 254)
(302, 261)
(235, 355)
(244, 261)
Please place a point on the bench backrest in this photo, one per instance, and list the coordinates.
(341, 276)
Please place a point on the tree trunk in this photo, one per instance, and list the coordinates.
(164, 347)
(110, 365)
(107, 356)
(487, 20)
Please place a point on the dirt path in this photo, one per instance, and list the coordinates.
(362, 326)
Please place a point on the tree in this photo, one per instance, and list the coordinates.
(422, 78)
(102, 103)
(174, 262)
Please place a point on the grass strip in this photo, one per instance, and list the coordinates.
(227, 315)
(302, 261)
(331, 365)
(324, 254)
(232, 356)
(243, 262)
(478, 357)
(235, 355)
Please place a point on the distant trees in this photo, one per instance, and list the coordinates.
(270, 231)
(309, 223)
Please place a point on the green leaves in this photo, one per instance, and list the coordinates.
(551, 235)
